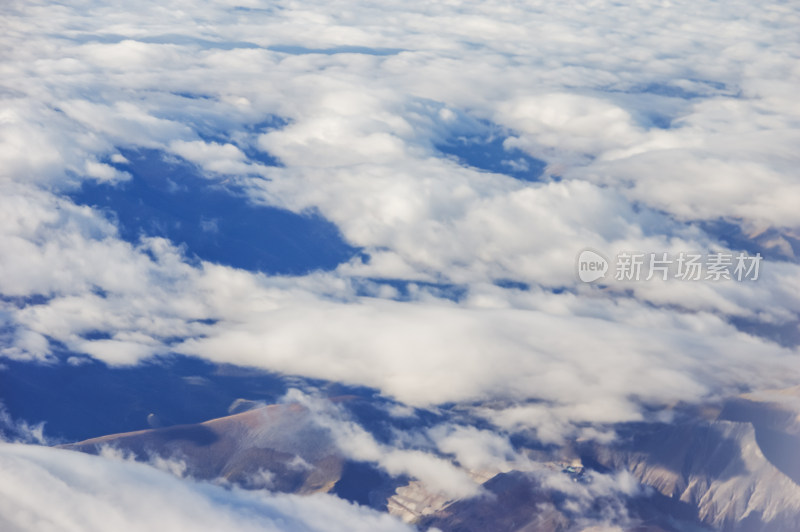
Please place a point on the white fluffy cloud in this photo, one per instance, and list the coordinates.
(48, 489)
(438, 474)
(650, 118)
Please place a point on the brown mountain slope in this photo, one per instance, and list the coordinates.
(739, 470)
(277, 447)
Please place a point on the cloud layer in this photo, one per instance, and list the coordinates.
(653, 120)
(55, 490)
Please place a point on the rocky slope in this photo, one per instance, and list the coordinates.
(277, 447)
(732, 467)
(739, 469)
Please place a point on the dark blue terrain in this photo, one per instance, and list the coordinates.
(214, 222)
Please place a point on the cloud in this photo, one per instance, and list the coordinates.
(655, 121)
(213, 157)
(438, 474)
(12, 430)
(49, 489)
(648, 130)
(474, 449)
(603, 496)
